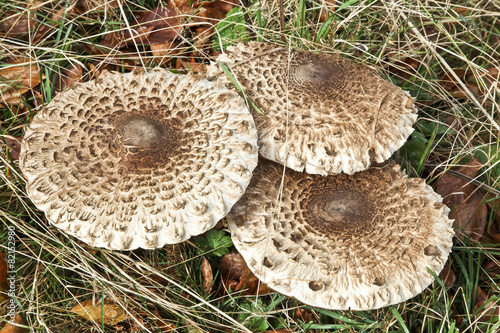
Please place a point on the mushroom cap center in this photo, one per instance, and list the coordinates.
(140, 133)
(319, 73)
(337, 211)
(143, 140)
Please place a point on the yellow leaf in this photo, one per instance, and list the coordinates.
(111, 313)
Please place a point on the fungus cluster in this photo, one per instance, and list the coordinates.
(146, 159)
(342, 235)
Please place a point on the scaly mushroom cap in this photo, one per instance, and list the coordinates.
(342, 242)
(139, 159)
(321, 113)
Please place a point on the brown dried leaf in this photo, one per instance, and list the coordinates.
(471, 217)
(91, 5)
(453, 122)
(492, 266)
(55, 18)
(236, 276)
(460, 93)
(22, 73)
(166, 23)
(191, 66)
(164, 52)
(448, 81)
(113, 313)
(490, 311)
(14, 146)
(327, 10)
(16, 23)
(401, 65)
(208, 276)
(303, 315)
(15, 326)
(68, 77)
(17, 79)
(222, 6)
(112, 40)
(206, 15)
(163, 325)
(455, 190)
(4, 283)
(447, 275)
(203, 39)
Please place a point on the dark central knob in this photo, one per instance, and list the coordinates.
(333, 212)
(338, 208)
(140, 133)
(318, 73)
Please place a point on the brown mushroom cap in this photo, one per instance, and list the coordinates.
(321, 113)
(139, 159)
(342, 242)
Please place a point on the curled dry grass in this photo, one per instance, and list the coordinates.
(414, 44)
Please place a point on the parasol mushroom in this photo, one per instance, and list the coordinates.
(319, 112)
(355, 242)
(140, 159)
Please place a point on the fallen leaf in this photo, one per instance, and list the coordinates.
(402, 65)
(16, 23)
(208, 276)
(17, 78)
(101, 5)
(206, 15)
(236, 276)
(223, 6)
(455, 190)
(13, 145)
(4, 283)
(202, 41)
(166, 23)
(490, 312)
(471, 217)
(461, 93)
(113, 313)
(15, 326)
(303, 315)
(453, 122)
(97, 69)
(492, 266)
(327, 9)
(448, 80)
(164, 52)
(67, 77)
(447, 275)
(191, 66)
(164, 326)
(52, 23)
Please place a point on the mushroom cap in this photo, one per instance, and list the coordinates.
(355, 242)
(141, 159)
(320, 113)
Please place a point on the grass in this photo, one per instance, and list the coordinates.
(414, 44)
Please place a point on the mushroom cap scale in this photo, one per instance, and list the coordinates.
(321, 113)
(140, 159)
(355, 242)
